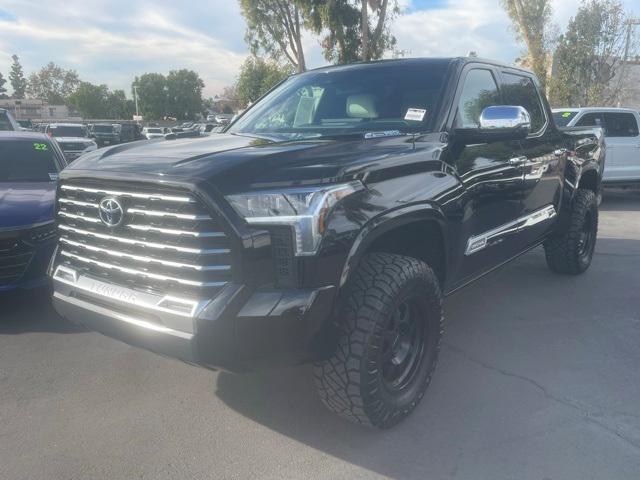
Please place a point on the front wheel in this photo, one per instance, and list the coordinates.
(572, 251)
(391, 320)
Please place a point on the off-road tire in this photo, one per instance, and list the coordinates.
(567, 252)
(351, 383)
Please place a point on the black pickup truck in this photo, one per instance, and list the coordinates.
(326, 224)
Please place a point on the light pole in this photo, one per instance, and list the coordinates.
(135, 96)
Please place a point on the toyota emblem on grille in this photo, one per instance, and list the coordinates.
(111, 212)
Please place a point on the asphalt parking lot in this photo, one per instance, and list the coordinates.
(539, 379)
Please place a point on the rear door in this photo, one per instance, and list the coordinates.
(543, 158)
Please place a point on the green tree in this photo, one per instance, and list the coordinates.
(3, 90)
(184, 94)
(256, 77)
(275, 28)
(16, 78)
(152, 95)
(53, 83)
(119, 106)
(588, 70)
(531, 21)
(90, 100)
(353, 29)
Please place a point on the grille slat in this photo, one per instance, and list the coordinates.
(167, 243)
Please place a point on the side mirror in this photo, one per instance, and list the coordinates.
(499, 123)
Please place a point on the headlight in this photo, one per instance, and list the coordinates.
(304, 209)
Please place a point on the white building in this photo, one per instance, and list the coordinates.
(34, 109)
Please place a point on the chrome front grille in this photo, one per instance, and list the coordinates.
(167, 242)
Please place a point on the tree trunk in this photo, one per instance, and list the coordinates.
(364, 25)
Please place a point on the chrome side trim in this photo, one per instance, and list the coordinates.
(145, 244)
(480, 242)
(140, 273)
(123, 318)
(143, 259)
(118, 193)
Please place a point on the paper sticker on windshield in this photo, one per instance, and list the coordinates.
(567, 114)
(415, 114)
(40, 146)
(54, 177)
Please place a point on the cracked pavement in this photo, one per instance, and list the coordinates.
(538, 379)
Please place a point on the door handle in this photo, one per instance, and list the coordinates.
(517, 161)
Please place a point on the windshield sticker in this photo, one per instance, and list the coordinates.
(415, 114)
(54, 177)
(386, 133)
(40, 146)
(566, 114)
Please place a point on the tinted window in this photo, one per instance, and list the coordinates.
(562, 119)
(594, 119)
(621, 125)
(27, 161)
(520, 90)
(103, 128)
(5, 124)
(389, 96)
(479, 92)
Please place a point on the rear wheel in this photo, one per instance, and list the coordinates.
(392, 319)
(572, 251)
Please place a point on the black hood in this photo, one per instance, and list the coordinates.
(234, 162)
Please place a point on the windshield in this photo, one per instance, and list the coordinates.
(67, 131)
(562, 119)
(27, 161)
(381, 97)
(5, 124)
(103, 128)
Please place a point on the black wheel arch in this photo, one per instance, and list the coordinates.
(375, 235)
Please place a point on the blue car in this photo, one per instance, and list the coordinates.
(29, 168)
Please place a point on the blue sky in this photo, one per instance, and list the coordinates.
(111, 41)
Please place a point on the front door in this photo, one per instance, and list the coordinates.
(491, 198)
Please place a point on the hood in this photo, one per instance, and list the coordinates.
(234, 162)
(24, 203)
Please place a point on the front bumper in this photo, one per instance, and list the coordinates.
(237, 331)
(34, 275)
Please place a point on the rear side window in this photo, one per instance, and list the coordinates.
(593, 119)
(621, 124)
(27, 161)
(520, 90)
(478, 92)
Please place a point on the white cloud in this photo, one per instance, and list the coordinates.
(112, 50)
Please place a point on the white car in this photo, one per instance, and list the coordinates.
(154, 132)
(622, 138)
(73, 139)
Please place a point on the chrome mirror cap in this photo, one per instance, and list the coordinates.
(505, 117)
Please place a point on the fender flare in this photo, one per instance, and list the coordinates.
(386, 222)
